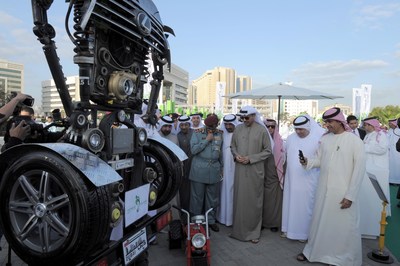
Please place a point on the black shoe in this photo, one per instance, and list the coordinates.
(274, 229)
(214, 227)
(398, 205)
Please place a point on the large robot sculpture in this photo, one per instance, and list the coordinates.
(61, 202)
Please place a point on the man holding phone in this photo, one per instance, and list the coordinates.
(334, 232)
(300, 184)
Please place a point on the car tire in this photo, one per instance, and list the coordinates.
(169, 173)
(50, 215)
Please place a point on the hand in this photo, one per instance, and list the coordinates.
(21, 131)
(242, 159)
(21, 97)
(345, 203)
(210, 135)
(246, 160)
(303, 162)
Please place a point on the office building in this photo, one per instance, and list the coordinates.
(297, 107)
(175, 86)
(208, 90)
(50, 97)
(11, 78)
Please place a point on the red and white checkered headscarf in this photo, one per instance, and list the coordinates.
(376, 124)
(393, 121)
(336, 114)
(373, 122)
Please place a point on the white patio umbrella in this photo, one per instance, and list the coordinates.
(282, 91)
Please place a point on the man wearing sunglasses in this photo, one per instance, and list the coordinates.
(250, 146)
(273, 182)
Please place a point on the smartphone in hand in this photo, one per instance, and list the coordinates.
(301, 155)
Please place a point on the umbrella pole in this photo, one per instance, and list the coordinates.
(279, 109)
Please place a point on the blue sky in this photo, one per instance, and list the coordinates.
(330, 46)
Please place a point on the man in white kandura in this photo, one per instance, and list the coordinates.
(376, 148)
(225, 210)
(165, 128)
(334, 233)
(196, 120)
(300, 184)
(394, 155)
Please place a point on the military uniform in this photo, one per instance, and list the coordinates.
(205, 172)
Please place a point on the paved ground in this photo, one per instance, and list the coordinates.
(271, 250)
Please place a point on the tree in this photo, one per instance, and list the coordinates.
(2, 97)
(385, 113)
(285, 118)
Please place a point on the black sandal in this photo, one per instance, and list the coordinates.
(301, 257)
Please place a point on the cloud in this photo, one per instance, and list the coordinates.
(19, 44)
(334, 72)
(371, 16)
(8, 20)
(396, 73)
(16, 42)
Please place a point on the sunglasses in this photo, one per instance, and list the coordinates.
(270, 126)
(245, 117)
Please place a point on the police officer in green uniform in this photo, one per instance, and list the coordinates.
(206, 169)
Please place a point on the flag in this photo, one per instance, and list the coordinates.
(362, 101)
(220, 92)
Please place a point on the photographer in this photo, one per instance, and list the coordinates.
(11, 108)
(7, 110)
(17, 132)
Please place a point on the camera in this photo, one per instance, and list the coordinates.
(28, 120)
(29, 102)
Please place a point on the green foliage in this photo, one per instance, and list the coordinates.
(385, 113)
(2, 98)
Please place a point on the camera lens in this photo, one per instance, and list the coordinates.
(29, 102)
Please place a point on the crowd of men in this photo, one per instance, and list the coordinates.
(313, 187)
(253, 179)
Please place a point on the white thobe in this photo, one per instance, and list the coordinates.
(300, 186)
(334, 233)
(377, 164)
(173, 138)
(150, 129)
(225, 210)
(394, 156)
